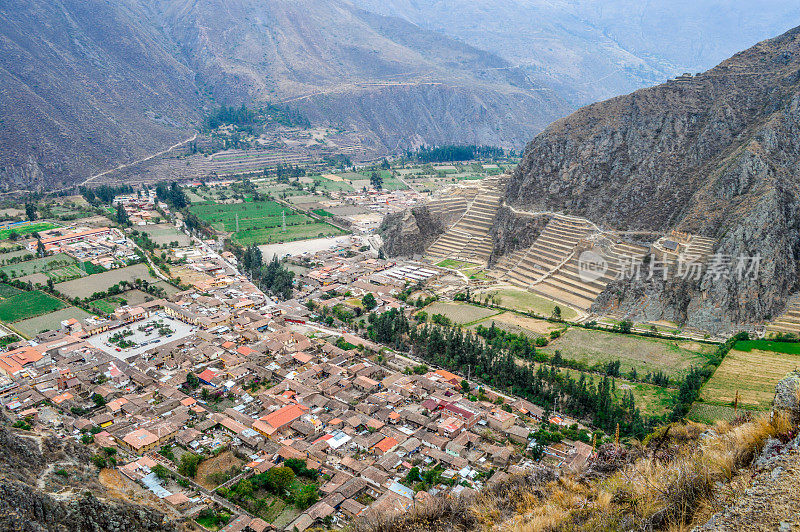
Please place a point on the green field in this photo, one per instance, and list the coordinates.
(26, 229)
(524, 301)
(460, 313)
(6, 291)
(754, 374)
(647, 355)
(709, 414)
(48, 322)
(45, 264)
(789, 348)
(252, 215)
(331, 186)
(457, 264)
(27, 305)
(261, 222)
(295, 232)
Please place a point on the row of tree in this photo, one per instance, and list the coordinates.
(547, 386)
(271, 277)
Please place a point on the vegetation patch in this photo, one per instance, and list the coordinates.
(49, 322)
(25, 229)
(791, 348)
(645, 355)
(524, 301)
(27, 305)
(753, 374)
(459, 313)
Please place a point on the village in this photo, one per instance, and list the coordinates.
(222, 374)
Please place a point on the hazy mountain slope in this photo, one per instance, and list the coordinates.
(591, 50)
(718, 155)
(389, 79)
(85, 84)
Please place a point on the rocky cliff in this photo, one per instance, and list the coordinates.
(35, 499)
(716, 154)
(410, 232)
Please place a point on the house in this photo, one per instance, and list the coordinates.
(280, 420)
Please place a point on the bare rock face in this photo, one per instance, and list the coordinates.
(410, 232)
(787, 394)
(27, 462)
(512, 231)
(715, 154)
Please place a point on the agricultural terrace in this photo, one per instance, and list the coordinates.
(49, 322)
(100, 282)
(25, 228)
(646, 355)
(517, 324)
(43, 265)
(261, 222)
(524, 301)
(459, 313)
(26, 305)
(751, 371)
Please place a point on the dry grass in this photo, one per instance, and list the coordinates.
(673, 481)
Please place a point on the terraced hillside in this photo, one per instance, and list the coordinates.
(468, 239)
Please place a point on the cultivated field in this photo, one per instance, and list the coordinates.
(292, 233)
(709, 414)
(45, 264)
(100, 282)
(26, 229)
(261, 222)
(163, 234)
(26, 305)
(514, 323)
(647, 355)
(6, 291)
(258, 214)
(459, 313)
(48, 322)
(524, 301)
(752, 373)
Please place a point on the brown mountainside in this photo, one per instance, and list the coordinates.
(717, 154)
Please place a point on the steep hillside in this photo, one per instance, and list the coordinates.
(593, 50)
(34, 498)
(85, 85)
(716, 155)
(738, 476)
(396, 83)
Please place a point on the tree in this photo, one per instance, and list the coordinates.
(98, 400)
(280, 478)
(161, 471)
(192, 380)
(122, 216)
(465, 386)
(30, 211)
(368, 301)
(40, 251)
(188, 465)
(376, 180)
(556, 313)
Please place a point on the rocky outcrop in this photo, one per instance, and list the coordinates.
(715, 154)
(512, 231)
(34, 499)
(410, 232)
(787, 395)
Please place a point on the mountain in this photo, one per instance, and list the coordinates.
(717, 154)
(85, 85)
(588, 50)
(396, 83)
(88, 85)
